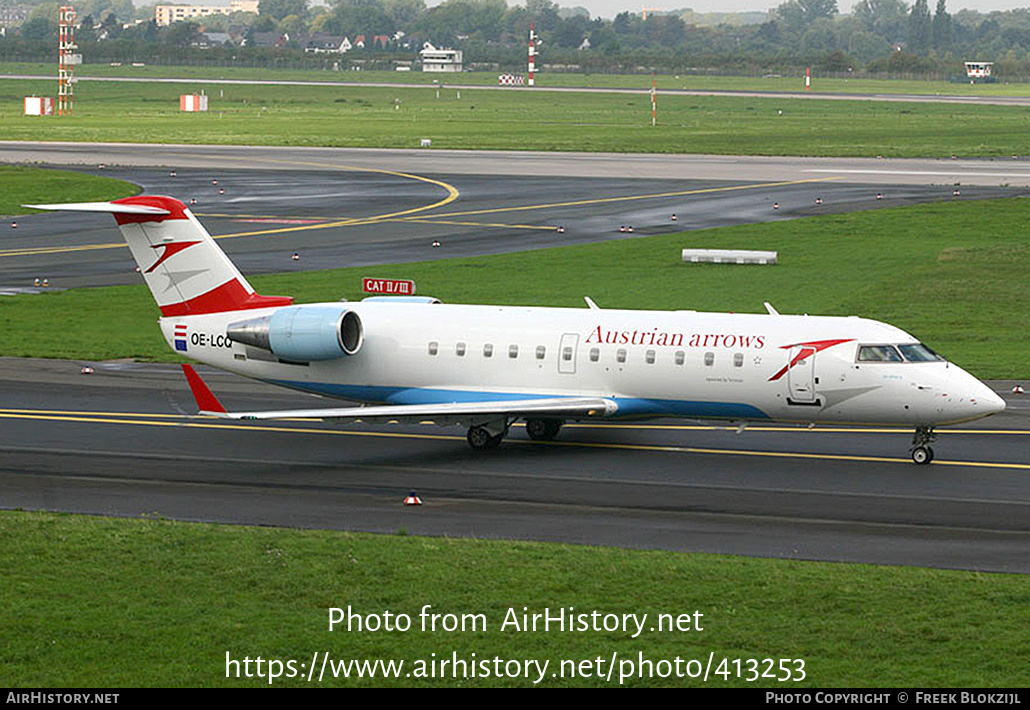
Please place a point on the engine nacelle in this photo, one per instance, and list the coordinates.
(303, 333)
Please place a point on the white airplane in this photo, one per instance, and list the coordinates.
(484, 367)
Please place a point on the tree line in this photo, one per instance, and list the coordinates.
(881, 36)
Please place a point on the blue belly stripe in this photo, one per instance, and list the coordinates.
(629, 407)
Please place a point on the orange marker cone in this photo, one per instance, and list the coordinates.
(412, 499)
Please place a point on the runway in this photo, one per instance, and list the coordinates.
(119, 442)
(116, 443)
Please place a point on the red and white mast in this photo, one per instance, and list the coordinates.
(532, 52)
(66, 60)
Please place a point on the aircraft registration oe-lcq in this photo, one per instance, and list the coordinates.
(485, 367)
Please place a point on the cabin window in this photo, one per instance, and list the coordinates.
(649, 357)
(680, 357)
(541, 352)
(488, 350)
(878, 353)
(459, 349)
(434, 347)
(513, 351)
(620, 355)
(738, 359)
(595, 354)
(709, 359)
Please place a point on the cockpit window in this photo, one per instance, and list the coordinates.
(917, 352)
(878, 353)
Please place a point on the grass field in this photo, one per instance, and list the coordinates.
(952, 274)
(90, 602)
(545, 79)
(505, 120)
(20, 185)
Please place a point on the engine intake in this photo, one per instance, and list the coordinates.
(303, 333)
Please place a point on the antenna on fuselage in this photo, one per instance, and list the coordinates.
(590, 302)
(772, 311)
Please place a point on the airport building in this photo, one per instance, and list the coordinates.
(440, 60)
(165, 15)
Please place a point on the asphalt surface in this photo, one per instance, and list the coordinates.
(119, 442)
(338, 208)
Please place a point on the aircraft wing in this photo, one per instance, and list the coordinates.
(560, 407)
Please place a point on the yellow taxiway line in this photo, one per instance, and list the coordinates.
(185, 421)
(409, 214)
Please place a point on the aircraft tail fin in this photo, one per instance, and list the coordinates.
(186, 271)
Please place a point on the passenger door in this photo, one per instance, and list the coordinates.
(801, 374)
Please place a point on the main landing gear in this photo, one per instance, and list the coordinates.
(543, 429)
(481, 438)
(489, 435)
(921, 452)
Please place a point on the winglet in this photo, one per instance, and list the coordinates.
(207, 403)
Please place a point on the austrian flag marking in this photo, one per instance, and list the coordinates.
(180, 337)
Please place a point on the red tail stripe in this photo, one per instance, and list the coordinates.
(176, 209)
(230, 296)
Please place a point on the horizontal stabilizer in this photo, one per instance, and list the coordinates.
(104, 207)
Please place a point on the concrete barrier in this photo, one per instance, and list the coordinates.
(729, 256)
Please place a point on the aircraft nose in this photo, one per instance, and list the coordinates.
(990, 401)
(974, 397)
(985, 400)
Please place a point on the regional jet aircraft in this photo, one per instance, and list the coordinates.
(485, 367)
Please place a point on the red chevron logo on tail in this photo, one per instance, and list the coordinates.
(170, 249)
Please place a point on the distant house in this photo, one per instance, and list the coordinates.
(440, 60)
(269, 39)
(321, 43)
(359, 41)
(212, 39)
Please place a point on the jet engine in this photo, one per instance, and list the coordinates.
(303, 333)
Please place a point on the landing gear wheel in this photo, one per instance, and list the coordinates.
(481, 439)
(922, 455)
(543, 429)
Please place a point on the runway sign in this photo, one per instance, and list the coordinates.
(392, 287)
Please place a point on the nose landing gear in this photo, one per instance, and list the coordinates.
(922, 452)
